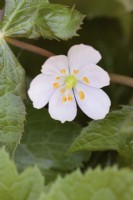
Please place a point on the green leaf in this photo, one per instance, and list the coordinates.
(33, 19)
(12, 75)
(20, 16)
(62, 22)
(29, 185)
(111, 184)
(45, 143)
(96, 8)
(115, 132)
(26, 186)
(12, 116)
(8, 172)
(12, 110)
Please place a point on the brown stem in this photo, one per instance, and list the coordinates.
(121, 79)
(115, 78)
(29, 47)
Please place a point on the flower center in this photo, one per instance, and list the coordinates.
(70, 81)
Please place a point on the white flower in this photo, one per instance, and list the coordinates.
(67, 80)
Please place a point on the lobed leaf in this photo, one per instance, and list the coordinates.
(111, 184)
(14, 186)
(62, 22)
(115, 132)
(12, 75)
(33, 19)
(45, 143)
(29, 185)
(104, 8)
(12, 109)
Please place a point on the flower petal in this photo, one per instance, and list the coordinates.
(41, 89)
(94, 75)
(56, 65)
(93, 102)
(62, 105)
(82, 55)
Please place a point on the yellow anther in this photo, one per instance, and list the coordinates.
(63, 71)
(70, 98)
(64, 99)
(81, 95)
(86, 80)
(56, 85)
(62, 90)
(57, 78)
(75, 71)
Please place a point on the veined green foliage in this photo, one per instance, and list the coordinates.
(12, 75)
(45, 143)
(12, 110)
(117, 9)
(115, 132)
(96, 8)
(29, 185)
(61, 21)
(39, 18)
(13, 186)
(111, 184)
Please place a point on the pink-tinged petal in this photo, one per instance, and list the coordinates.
(82, 55)
(56, 65)
(94, 76)
(41, 89)
(93, 102)
(62, 105)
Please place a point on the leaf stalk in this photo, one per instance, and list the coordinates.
(29, 47)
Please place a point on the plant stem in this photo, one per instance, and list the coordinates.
(121, 79)
(115, 78)
(29, 47)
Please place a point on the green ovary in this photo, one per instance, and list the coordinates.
(70, 81)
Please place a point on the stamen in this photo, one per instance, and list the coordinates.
(57, 78)
(86, 80)
(63, 71)
(56, 85)
(81, 95)
(75, 71)
(64, 99)
(70, 98)
(62, 90)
